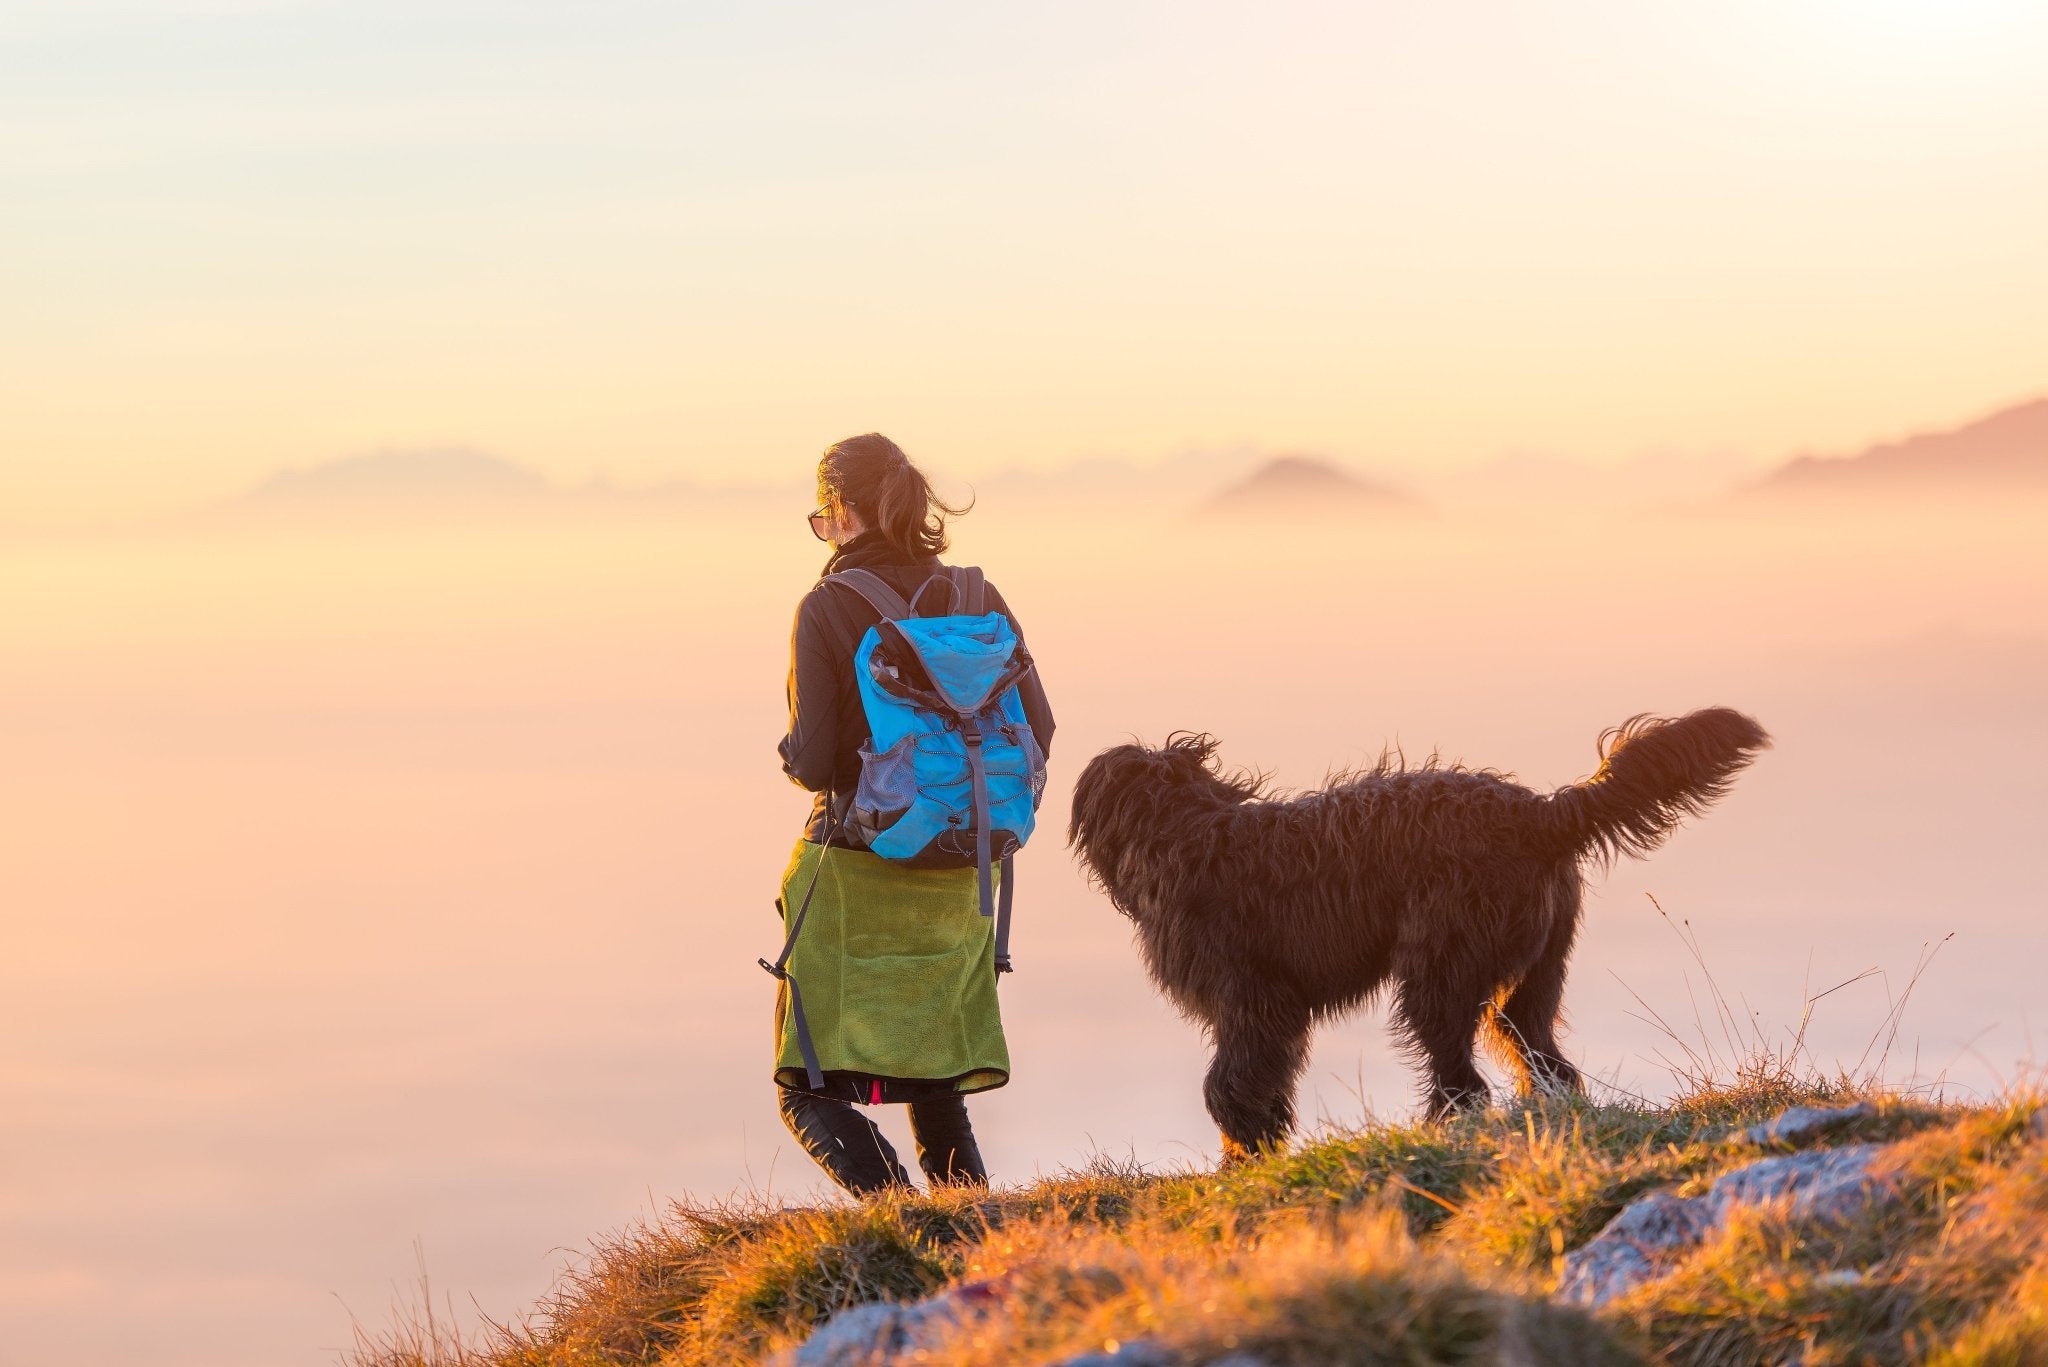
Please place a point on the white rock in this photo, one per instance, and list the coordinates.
(1655, 1233)
(1804, 1122)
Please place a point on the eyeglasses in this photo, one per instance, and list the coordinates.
(817, 521)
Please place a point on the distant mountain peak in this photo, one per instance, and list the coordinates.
(1307, 485)
(431, 478)
(2007, 449)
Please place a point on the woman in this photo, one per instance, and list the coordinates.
(894, 964)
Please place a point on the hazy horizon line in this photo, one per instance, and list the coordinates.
(401, 478)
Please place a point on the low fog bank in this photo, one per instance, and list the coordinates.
(372, 883)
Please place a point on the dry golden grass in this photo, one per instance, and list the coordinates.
(1398, 1244)
(1348, 1287)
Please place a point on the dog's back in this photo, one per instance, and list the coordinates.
(1402, 820)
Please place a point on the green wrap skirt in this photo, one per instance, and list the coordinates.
(896, 968)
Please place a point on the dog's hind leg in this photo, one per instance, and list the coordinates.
(1439, 1014)
(1521, 1026)
(1250, 1086)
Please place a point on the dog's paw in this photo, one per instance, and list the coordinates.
(1236, 1154)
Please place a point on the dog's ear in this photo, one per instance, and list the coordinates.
(1098, 792)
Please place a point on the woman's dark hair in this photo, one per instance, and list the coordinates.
(871, 475)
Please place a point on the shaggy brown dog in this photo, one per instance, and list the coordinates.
(1260, 916)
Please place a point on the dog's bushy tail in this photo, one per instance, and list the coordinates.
(1654, 772)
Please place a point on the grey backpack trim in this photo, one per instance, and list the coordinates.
(1008, 896)
(966, 585)
(966, 589)
(779, 970)
(876, 590)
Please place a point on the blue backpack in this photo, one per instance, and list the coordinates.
(952, 776)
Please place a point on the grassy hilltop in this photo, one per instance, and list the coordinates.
(1407, 1245)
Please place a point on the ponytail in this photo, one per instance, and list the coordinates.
(871, 475)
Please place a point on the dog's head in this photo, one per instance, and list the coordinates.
(1130, 798)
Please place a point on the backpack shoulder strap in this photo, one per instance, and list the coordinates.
(963, 590)
(871, 586)
(970, 590)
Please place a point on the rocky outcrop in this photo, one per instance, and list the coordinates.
(1657, 1232)
(1802, 1123)
(1144, 1354)
(879, 1332)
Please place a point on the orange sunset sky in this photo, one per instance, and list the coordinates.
(649, 241)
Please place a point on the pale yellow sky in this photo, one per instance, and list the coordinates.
(634, 239)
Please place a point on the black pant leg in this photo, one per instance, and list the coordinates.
(845, 1143)
(945, 1141)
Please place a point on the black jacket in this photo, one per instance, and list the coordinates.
(826, 723)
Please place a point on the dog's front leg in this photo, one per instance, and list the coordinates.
(1250, 1086)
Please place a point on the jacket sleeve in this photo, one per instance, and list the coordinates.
(1031, 688)
(809, 750)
